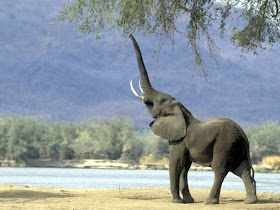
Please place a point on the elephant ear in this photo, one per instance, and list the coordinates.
(171, 127)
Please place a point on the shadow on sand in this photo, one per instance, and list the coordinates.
(31, 195)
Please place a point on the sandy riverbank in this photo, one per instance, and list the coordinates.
(24, 197)
(110, 164)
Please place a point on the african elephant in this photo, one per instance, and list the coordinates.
(218, 143)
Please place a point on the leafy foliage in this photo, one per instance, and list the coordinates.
(168, 18)
(262, 26)
(272, 162)
(154, 145)
(264, 140)
(24, 138)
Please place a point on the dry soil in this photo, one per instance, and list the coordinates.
(26, 197)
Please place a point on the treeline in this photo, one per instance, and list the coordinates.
(264, 140)
(25, 138)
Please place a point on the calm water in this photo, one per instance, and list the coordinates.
(102, 178)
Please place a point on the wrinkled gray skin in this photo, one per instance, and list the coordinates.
(219, 143)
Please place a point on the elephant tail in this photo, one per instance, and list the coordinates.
(251, 166)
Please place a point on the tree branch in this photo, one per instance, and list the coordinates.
(277, 9)
(183, 7)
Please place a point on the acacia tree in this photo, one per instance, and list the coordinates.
(191, 18)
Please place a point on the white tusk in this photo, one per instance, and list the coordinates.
(134, 92)
(141, 87)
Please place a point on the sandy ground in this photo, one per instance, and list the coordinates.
(25, 197)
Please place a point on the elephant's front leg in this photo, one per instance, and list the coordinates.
(187, 198)
(176, 164)
(174, 176)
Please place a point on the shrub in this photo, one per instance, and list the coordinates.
(272, 162)
(264, 140)
(132, 150)
(150, 159)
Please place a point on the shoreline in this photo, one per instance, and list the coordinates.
(27, 197)
(111, 164)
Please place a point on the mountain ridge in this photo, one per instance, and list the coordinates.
(80, 80)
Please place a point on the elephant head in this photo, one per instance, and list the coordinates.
(171, 118)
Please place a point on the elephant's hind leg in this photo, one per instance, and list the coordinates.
(243, 171)
(214, 194)
(221, 165)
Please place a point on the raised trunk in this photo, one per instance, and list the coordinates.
(146, 85)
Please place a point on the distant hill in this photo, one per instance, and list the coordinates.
(80, 80)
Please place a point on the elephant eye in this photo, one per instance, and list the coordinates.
(149, 104)
(163, 100)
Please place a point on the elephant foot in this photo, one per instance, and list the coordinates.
(212, 201)
(188, 199)
(177, 200)
(251, 199)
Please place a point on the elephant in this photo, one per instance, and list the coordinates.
(218, 143)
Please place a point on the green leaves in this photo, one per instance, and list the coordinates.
(264, 139)
(256, 22)
(262, 25)
(25, 138)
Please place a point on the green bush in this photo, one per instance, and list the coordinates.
(264, 140)
(272, 162)
(155, 145)
(111, 136)
(132, 150)
(23, 138)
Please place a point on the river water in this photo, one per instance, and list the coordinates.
(115, 179)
